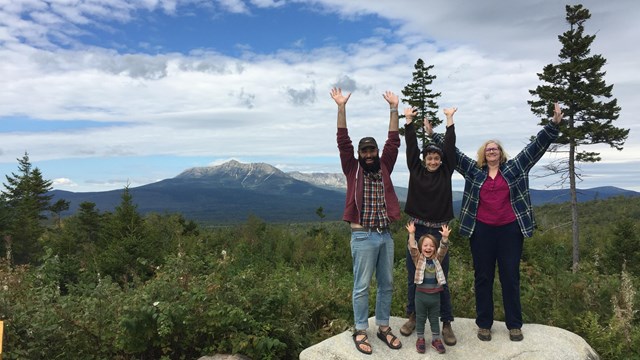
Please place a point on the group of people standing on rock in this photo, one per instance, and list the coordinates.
(496, 216)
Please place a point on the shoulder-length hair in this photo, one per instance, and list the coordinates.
(482, 160)
(426, 237)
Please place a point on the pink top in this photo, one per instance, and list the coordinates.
(494, 207)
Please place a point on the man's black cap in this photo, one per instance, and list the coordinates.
(366, 142)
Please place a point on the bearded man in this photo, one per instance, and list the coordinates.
(371, 205)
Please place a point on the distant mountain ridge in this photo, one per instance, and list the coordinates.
(233, 174)
(540, 197)
(230, 192)
(225, 193)
(323, 180)
(335, 181)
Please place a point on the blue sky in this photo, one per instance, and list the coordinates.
(263, 30)
(104, 94)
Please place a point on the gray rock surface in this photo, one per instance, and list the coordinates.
(225, 357)
(540, 342)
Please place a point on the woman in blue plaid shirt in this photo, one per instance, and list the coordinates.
(497, 215)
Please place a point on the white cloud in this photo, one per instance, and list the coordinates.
(268, 3)
(277, 105)
(63, 182)
(234, 6)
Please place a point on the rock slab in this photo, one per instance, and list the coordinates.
(540, 342)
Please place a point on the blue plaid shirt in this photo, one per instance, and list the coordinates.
(515, 171)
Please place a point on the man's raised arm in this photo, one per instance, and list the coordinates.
(392, 99)
(341, 101)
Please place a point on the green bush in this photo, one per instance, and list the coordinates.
(269, 291)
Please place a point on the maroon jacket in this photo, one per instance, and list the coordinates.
(354, 173)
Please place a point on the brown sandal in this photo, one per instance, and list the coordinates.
(363, 341)
(382, 335)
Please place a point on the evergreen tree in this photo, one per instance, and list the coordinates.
(188, 227)
(125, 248)
(88, 232)
(419, 95)
(5, 221)
(89, 222)
(26, 200)
(622, 248)
(57, 209)
(578, 82)
(126, 219)
(75, 244)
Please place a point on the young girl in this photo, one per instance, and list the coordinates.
(429, 279)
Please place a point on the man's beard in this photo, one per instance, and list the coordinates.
(375, 167)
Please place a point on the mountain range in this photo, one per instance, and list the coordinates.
(231, 192)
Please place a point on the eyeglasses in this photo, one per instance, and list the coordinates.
(495, 149)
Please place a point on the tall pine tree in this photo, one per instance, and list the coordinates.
(419, 95)
(26, 201)
(578, 82)
(125, 248)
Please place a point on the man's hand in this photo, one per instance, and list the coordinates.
(341, 100)
(391, 98)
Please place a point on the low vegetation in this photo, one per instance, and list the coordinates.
(123, 286)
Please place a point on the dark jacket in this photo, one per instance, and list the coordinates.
(430, 198)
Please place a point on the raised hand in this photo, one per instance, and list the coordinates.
(448, 112)
(336, 94)
(428, 129)
(411, 228)
(409, 114)
(391, 98)
(557, 114)
(445, 231)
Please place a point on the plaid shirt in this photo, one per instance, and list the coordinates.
(515, 171)
(374, 213)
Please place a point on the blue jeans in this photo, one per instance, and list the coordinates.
(446, 312)
(371, 252)
(501, 245)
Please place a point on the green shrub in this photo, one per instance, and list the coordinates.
(269, 291)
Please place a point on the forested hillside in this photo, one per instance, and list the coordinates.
(126, 286)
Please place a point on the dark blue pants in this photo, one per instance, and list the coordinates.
(446, 313)
(501, 245)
